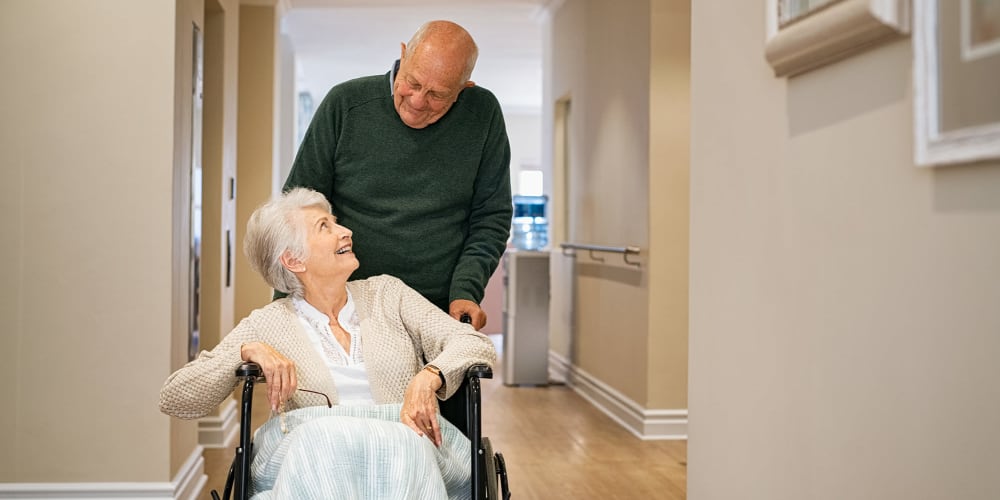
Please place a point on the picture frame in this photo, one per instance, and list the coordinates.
(956, 98)
(830, 31)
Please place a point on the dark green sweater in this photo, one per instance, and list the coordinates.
(429, 206)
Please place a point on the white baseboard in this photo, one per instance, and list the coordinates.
(220, 431)
(559, 368)
(644, 423)
(186, 485)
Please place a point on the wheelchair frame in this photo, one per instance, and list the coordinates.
(466, 402)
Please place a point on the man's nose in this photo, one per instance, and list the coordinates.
(418, 99)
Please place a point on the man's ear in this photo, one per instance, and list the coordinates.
(402, 51)
(291, 263)
(470, 83)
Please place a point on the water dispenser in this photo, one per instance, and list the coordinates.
(529, 228)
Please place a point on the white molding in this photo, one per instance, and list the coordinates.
(559, 368)
(220, 431)
(186, 485)
(970, 52)
(840, 30)
(932, 147)
(644, 423)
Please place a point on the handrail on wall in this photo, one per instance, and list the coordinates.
(625, 251)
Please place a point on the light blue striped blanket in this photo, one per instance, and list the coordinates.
(357, 452)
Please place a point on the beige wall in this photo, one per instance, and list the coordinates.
(87, 153)
(623, 67)
(190, 14)
(258, 65)
(219, 153)
(669, 198)
(607, 76)
(844, 320)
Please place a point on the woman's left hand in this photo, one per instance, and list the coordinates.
(420, 406)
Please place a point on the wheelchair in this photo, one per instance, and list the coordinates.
(463, 409)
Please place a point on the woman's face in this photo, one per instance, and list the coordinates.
(330, 252)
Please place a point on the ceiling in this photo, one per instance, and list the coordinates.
(336, 40)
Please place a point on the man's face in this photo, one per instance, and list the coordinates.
(425, 88)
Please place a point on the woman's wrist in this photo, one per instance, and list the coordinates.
(436, 371)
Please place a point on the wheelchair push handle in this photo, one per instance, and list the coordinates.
(249, 369)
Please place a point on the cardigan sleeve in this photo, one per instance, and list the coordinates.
(202, 385)
(490, 214)
(448, 344)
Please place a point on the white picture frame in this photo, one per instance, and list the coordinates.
(832, 32)
(933, 146)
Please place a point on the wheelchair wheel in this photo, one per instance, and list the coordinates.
(501, 465)
(490, 474)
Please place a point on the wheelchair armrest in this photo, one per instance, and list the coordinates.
(479, 371)
(249, 369)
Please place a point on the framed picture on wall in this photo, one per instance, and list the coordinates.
(805, 34)
(956, 50)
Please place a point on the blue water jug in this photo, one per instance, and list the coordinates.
(529, 228)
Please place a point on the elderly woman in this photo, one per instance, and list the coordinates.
(362, 343)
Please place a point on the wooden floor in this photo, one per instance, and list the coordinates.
(556, 445)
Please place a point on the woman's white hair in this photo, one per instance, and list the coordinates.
(275, 228)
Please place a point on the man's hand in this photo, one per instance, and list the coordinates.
(460, 307)
(278, 370)
(420, 406)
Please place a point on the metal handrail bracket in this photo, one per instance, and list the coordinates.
(626, 251)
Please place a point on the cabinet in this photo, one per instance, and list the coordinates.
(526, 317)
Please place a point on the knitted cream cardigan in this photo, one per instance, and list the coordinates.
(399, 329)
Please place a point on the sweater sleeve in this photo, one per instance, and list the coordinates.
(489, 217)
(446, 343)
(202, 385)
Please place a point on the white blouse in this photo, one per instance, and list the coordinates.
(346, 368)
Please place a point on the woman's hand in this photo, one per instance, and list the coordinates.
(420, 406)
(278, 370)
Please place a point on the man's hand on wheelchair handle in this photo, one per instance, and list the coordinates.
(278, 370)
(459, 307)
(420, 406)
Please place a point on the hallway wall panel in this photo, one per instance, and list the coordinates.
(88, 148)
(844, 320)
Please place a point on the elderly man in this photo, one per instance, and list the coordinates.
(416, 161)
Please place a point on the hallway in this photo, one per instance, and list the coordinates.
(556, 445)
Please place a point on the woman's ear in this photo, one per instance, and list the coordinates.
(291, 263)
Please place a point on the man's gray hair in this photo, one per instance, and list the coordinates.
(276, 227)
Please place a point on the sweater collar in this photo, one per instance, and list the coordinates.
(392, 75)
